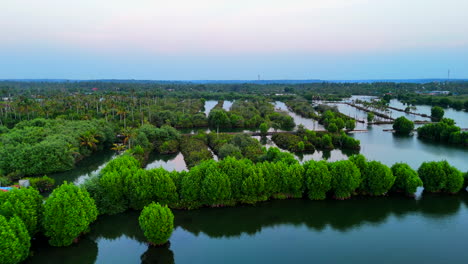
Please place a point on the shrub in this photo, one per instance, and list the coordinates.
(345, 178)
(437, 112)
(215, 188)
(406, 179)
(14, 241)
(67, 213)
(168, 147)
(350, 124)
(440, 177)
(157, 223)
(403, 126)
(264, 128)
(229, 150)
(377, 179)
(317, 179)
(26, 203)
(42, 184)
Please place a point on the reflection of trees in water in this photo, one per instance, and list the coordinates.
(84, 252)
(339, 215)
(158, 255)
(114, 226)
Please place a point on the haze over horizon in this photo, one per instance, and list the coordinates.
(233, 40)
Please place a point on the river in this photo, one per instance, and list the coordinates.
(432, 229)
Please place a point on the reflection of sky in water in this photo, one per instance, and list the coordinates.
(332, 229)
(307, 122)
(460, 117)
(169, 162)
(210, 104)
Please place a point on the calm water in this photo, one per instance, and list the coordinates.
(307, 122)
(432, 229)
(210, 104)
(169, 162)
(85, 168)
(460, 117)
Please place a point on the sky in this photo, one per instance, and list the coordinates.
(233, 40)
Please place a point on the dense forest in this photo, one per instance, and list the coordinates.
(48, 127)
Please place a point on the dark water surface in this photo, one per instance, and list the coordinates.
(432, 229)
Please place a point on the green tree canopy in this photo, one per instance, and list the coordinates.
(403, 126)
(67, 213)
(157, 223)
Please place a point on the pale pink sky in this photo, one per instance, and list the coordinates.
(233, 28)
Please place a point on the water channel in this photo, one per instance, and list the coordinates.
(431, 229)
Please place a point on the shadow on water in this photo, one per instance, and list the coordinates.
(158, 255)
(84, 168)
(112, 236)
(339, 215)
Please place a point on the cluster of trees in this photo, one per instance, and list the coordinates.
(444, 131)
(335, 121)
(42, 146)
(437, 112)
(307, 140)
(157, 223)
(442, 101)
(231, 181)
(403, 126)
(117, 107)
(249, 114)
(64, 216)
(195, 149)
(238, 146)
(302, 108)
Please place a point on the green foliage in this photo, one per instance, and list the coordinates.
(317, 179)
(113, 177)
(22, 234)
(406, 179)
(403, 126)
(326, 142)
(215, 188)
(218, 118)
(168, 147)
(370, 117)
(264, 128)
(345, 178)
(26, 203)
(43, 146)
(440, 177)
(444, 131)
(377, 179)
(157, 223)
(253, 188)
(195, 150)
(14, 241)
(275, 155)
(332, 128)
(350, 124)
(42, 184)
(437, 112)
(291, 142)
(190, 192)
(229, 150)
(67, 213)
